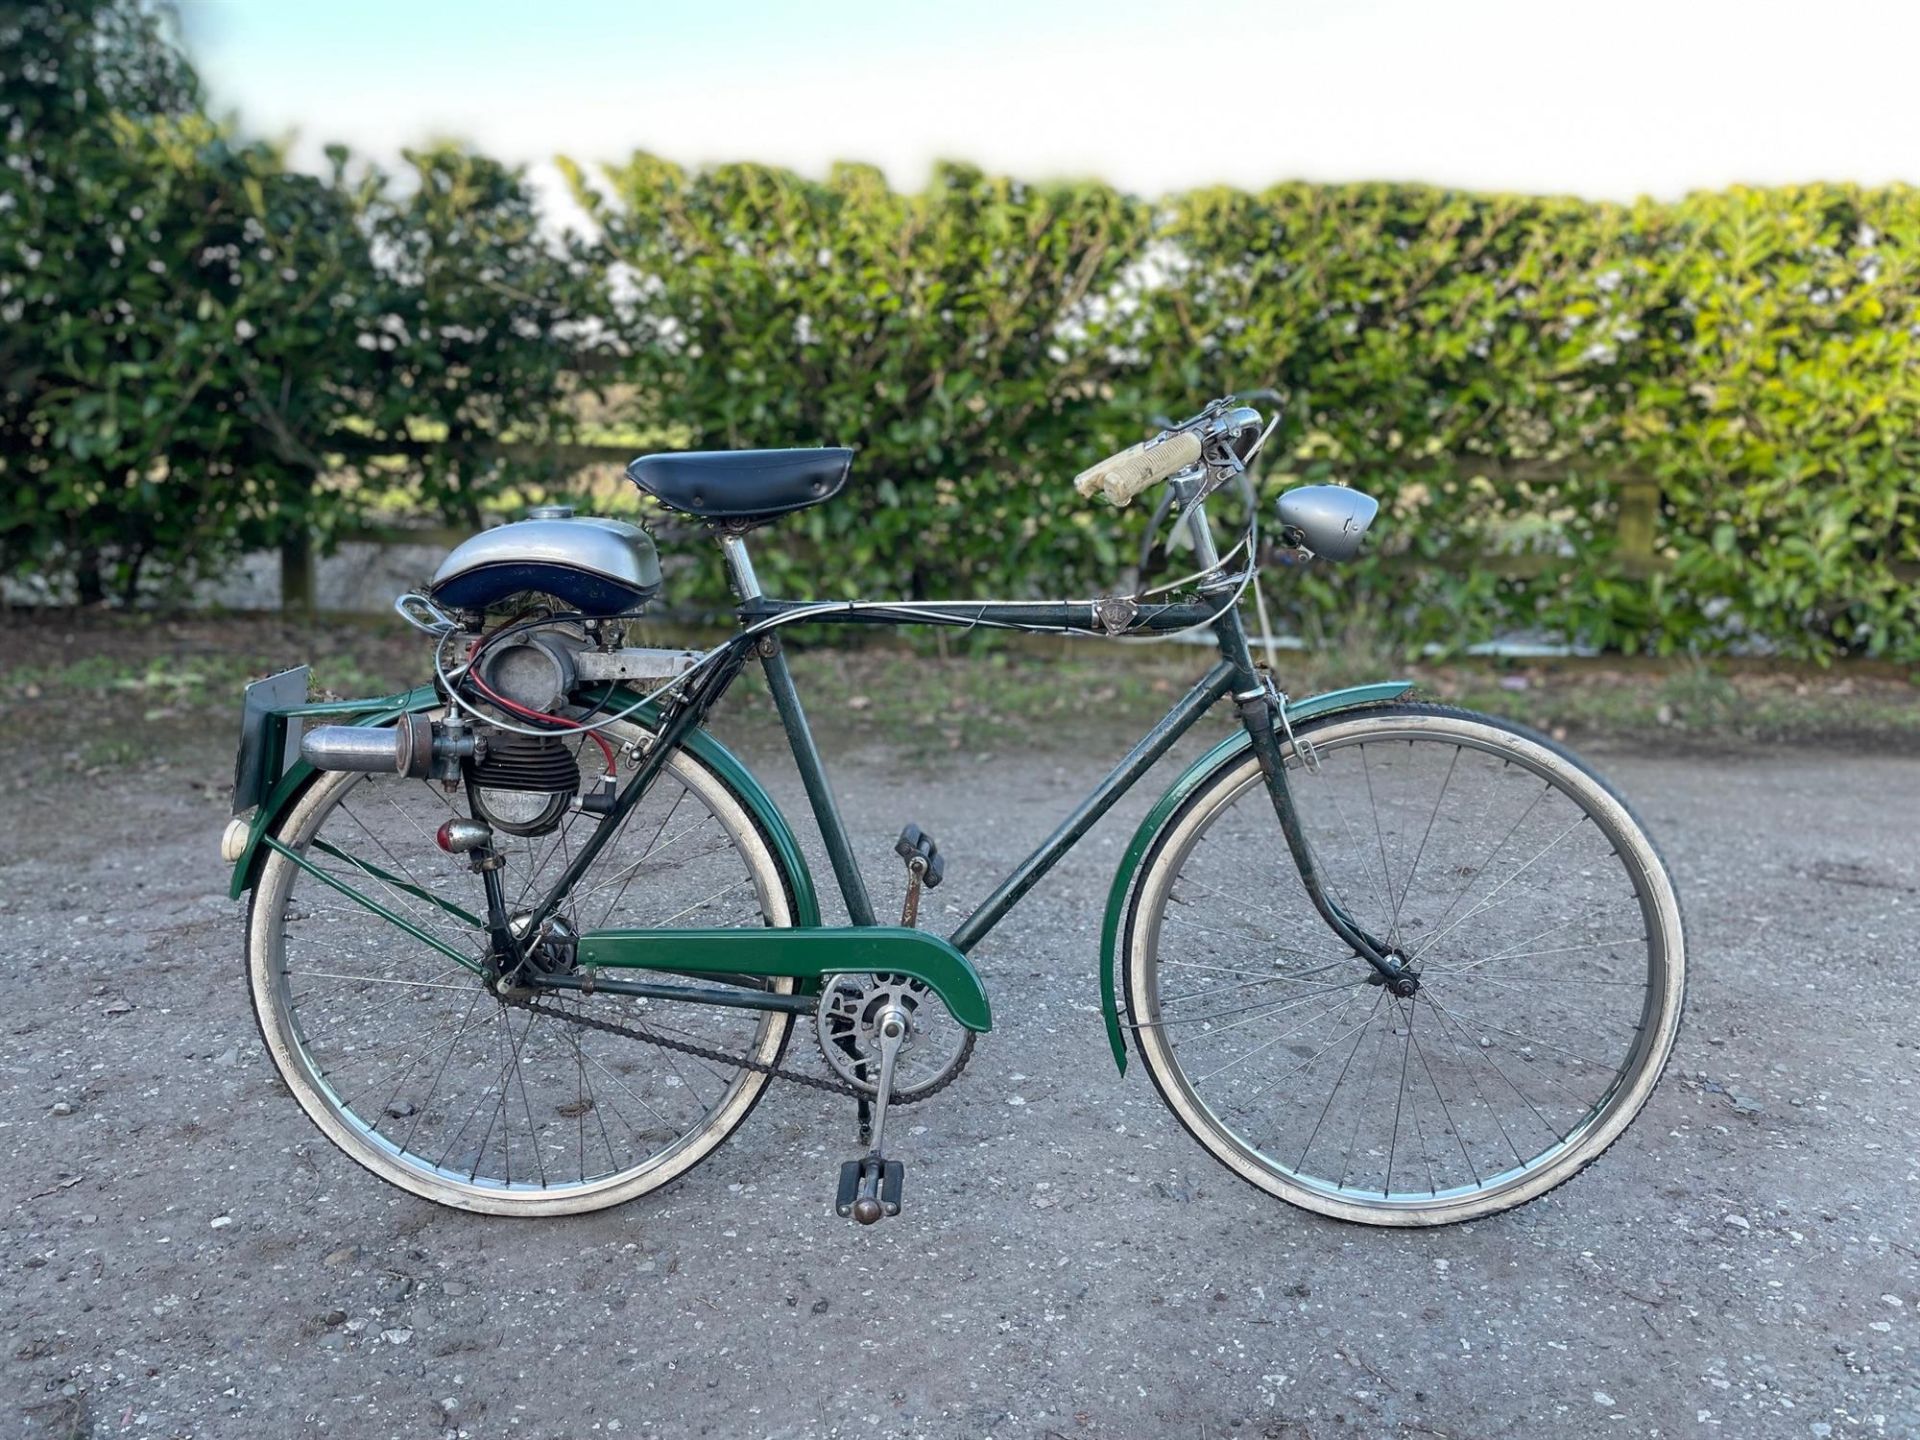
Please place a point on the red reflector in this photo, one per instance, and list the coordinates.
(444, 836)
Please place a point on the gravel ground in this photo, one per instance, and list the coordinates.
(186, 1256)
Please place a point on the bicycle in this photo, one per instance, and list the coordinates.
(528, 940)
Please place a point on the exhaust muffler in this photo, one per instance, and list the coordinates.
(412, 746)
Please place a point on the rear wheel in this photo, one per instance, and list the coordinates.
(1533, 907)
(409, 1064)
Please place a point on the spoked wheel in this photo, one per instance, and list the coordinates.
(1525, 895)
(406, 1061)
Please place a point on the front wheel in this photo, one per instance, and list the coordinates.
(1527, 898)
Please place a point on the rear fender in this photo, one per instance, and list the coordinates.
(702, 746)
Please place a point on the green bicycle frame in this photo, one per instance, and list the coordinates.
(740, 963)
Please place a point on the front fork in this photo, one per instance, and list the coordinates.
(1258, 705)
(1257, 713)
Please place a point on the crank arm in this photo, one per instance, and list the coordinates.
(870, 1186)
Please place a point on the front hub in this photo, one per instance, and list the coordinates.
(1401, 979)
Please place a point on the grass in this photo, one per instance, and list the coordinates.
(1008, 696)
(1711, 701)
(929, 703)
(932, 702)
(165, 687)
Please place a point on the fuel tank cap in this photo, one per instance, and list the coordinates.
(550, 512)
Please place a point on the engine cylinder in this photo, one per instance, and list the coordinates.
(524, 783)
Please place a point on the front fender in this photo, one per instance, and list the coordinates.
(702, 746)
(1227, 750)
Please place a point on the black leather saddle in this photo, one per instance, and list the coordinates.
(742, 487)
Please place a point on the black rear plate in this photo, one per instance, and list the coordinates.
(267, 738)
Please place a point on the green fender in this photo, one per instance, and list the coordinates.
(1227, 750)
(702, 746)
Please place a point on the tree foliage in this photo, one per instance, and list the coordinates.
(203, 351)
(193, 331)
(483, 329)
(949, 334)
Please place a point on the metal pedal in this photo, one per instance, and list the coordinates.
(869, 1189)
(870, 1186)
(914, 843)
(924, 867)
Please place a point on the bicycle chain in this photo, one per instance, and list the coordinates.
(688, 1047)
(722, 1057)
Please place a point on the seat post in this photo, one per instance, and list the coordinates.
(746, 584)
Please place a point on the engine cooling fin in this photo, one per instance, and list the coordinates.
(524, 784)
(538, 763)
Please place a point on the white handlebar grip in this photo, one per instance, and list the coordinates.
(1090, 481)
(1123, 476)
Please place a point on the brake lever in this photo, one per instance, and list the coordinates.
(1265, 435)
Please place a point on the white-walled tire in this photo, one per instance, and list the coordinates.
(1540, 918)
(382, 1039)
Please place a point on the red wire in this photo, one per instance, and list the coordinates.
(526, 713)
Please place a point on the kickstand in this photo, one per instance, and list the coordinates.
(863, 1115)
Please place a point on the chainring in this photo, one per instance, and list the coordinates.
(845, 1024)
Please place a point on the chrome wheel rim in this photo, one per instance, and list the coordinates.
(472, 1102)
(1322, 1087)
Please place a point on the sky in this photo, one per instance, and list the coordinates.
(1599, 98)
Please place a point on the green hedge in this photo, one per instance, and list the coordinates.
(955, 335)
(193, 337)
(1487, 363)
(198, 343)
(1490, 366)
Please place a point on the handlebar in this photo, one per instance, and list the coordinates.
(1123, 476)
(1225, 435)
